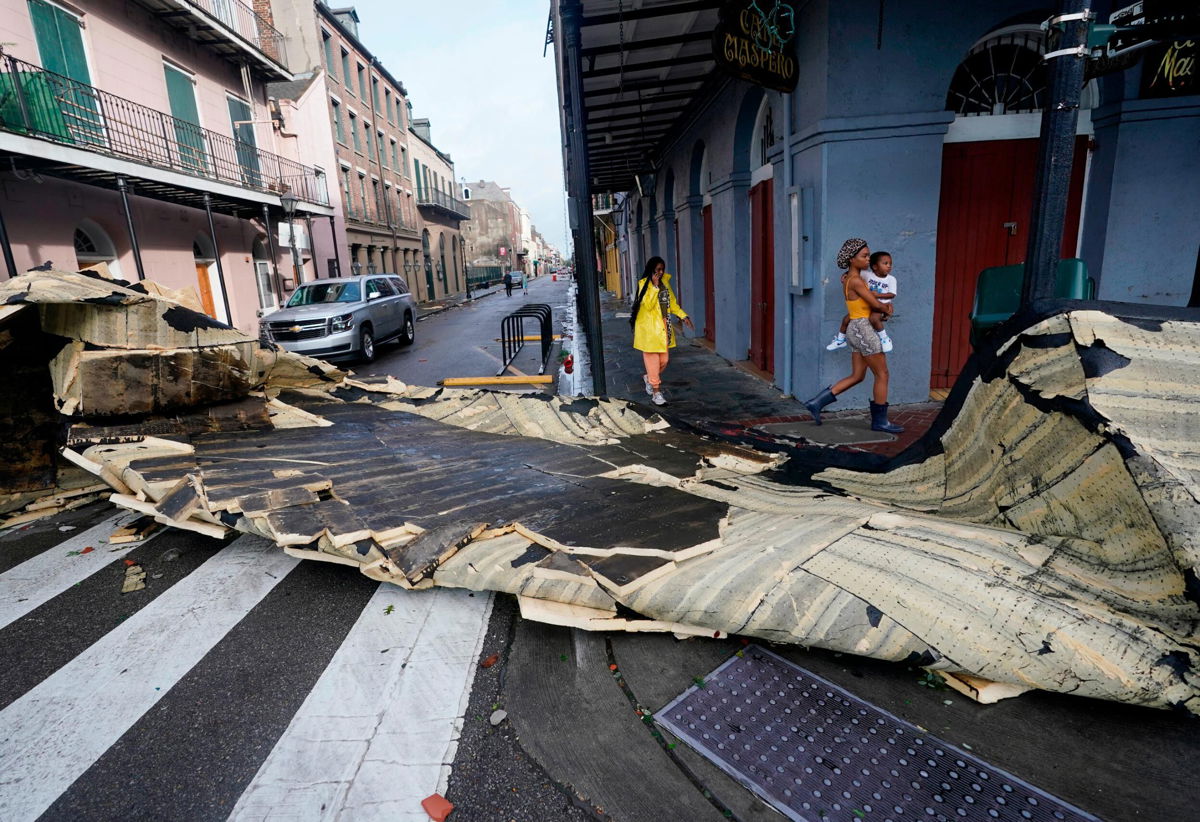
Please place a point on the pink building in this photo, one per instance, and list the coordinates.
(138, 133)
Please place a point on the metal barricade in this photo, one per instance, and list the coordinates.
(512, 333)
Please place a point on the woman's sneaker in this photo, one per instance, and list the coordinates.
(838, 341)
(658, 398)
(649, 387)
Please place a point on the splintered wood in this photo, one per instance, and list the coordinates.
(1045, 540)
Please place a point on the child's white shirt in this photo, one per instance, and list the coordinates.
(880, 285)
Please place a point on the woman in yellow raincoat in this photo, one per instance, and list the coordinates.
(652, 331)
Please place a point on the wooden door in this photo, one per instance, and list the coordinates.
(206, 295)
(983, 221)
(710, 287)
(762, 276)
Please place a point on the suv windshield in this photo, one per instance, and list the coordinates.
(316, 293)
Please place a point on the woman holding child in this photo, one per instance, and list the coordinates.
(862, 338)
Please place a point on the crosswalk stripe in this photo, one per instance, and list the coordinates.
(41, 578)
(54, 732)
(378, 731)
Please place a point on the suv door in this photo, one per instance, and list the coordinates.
(382, 309)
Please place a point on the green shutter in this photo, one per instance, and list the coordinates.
(243, 134)
(189, 137)
(59, 40)
(71, 106)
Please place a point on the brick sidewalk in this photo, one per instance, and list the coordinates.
(914, 418)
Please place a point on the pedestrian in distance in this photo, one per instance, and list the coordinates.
(882, 283)
(862, 339)
(508, 283)
(525, 284)
(653, 333)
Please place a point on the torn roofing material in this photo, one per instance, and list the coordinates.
(1044, 538)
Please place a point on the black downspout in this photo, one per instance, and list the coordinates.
(337, 252)
(212, 232)
(1056, 155)
(133, 241)
(9, 262)
(274, 254)
(579, 187)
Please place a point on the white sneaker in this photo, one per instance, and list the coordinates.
(658, 398)
(838, 341)
(885, 341)
(649, 387)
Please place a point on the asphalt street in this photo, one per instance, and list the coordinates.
(464, 340)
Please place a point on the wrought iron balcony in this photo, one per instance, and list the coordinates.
(441, 201)
(40, 103)
(231, 27)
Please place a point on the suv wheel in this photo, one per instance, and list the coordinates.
(409, 333)
(366, 344)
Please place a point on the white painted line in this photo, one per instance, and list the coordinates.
(379, 730)
(39, 579)
(56, 731)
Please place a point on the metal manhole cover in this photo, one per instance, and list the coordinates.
(817, 753)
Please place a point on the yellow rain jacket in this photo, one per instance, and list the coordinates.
(649, 330)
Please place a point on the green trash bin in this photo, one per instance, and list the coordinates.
(998, 292)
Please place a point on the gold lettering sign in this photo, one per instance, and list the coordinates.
(755, 40)
(1171, 69)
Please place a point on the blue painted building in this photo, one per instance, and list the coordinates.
(910, 125)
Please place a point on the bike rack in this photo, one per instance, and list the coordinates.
(512, 333)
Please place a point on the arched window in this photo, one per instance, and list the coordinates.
(1004, 73)
(93, 245)
(764, 134)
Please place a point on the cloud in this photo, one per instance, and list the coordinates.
(475, 69)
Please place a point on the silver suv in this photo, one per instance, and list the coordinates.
(344, 317)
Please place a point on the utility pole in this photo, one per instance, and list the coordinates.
(1056, 150)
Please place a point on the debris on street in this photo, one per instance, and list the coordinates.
(1043, 534)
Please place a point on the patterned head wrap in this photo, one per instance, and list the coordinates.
(850, 248)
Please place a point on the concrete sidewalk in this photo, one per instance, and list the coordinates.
(700, 384)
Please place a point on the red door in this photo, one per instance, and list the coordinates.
(762, 276)
(710, 287)
(983, 221)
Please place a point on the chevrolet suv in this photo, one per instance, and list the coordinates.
(344, 317)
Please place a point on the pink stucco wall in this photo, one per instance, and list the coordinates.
(41, 220)
(126, 47)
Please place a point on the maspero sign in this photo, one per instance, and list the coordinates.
(755, 40)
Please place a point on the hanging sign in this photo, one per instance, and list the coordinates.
(756, 40)
(285, 235)
(1172, 69)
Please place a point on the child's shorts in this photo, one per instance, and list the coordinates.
(861, 337)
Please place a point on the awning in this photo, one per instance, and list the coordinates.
(645, 65)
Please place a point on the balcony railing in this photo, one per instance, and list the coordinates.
(43, 104)
(375, 218)
(235, 15)
(442, 200)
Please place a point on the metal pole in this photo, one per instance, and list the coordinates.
(123, 187)
(9, 262)
(337, 252)
(212, 232)
(274, 254)
(579, 186)
(1056, 154)
(296, 278)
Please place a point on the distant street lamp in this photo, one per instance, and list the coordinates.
(288, 201)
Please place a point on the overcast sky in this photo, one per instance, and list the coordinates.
(475, 69)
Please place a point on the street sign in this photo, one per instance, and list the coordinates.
(756, 40)
(1139, 25)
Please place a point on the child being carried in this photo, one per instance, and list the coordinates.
(883, 285)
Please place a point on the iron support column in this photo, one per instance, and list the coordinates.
(1056, 154)
(133, 241)
(337, 252)
(275, 254)
(9, 262)
(579, 188)
(212, 232)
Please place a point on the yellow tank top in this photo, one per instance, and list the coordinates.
(856, 308)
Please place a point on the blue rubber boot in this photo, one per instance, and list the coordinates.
(818, 402)
(879, 420)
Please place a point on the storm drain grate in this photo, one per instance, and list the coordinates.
(817, 753)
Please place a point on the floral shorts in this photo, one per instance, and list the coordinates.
(864, 339)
